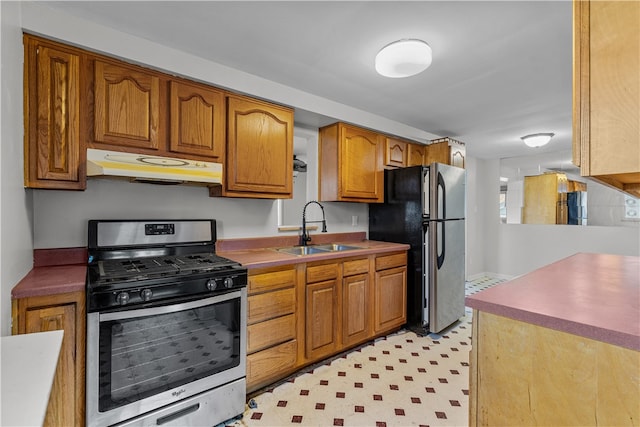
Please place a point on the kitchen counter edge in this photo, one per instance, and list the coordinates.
(596, 296)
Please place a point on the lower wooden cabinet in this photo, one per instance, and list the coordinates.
(272, 330)
(322, 314)
(64, 312)
(356, 319)
(390, 292)
(301, 314)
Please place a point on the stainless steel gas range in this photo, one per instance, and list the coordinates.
(166, 325)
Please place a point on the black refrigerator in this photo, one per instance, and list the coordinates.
(425, 207)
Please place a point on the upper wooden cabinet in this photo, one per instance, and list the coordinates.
(395, 153)
(259, 149)
(351, 164)
(134, 109)
(447, 151)
(415, 154)
(197, 120)
(53, 158)
(606, 92)
(127, 110)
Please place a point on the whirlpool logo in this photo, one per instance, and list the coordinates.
(178, 393)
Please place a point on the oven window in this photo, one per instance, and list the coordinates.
(143, 356)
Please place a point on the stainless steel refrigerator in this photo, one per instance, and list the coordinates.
(425, 208)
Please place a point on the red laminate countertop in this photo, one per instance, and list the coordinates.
(595, 296)
(270, 257)
(51, 280)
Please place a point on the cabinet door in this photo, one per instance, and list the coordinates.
(437, 153)
(259, 149)
(390, 299)
(361, 173)
(322, 319)
(52, 109)
(126, 106)
(457, 154)
(62, 317)
(355, 313)
(415, 155)
(606, 123)
(395, 153)
(197, 120)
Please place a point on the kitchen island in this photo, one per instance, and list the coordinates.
(559, 345)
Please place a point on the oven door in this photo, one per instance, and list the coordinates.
(143, 359)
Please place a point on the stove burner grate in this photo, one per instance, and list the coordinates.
(126, 270)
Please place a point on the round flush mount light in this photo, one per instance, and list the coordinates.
(403, 58)
(537, 139)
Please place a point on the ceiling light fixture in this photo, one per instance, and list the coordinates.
(403, 58)
(537, 139)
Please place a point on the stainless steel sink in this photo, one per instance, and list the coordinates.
(316, 249)
(336, 247)
(302, 250)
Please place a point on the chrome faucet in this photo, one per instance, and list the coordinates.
(304, 238)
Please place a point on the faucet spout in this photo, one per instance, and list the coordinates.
(305, 238)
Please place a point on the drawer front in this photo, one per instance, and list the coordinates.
(271, 281)
(270, 305)
(358, 266)
(271, 364)
(271, 332)
(389, 261)
(319, 273)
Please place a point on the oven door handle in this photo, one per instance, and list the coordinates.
(153, 311)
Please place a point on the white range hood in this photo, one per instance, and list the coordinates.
(149, 168)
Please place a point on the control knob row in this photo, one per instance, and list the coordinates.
(212, 284)
(122, 298)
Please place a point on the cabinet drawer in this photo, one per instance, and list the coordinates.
(275, 331)
(358, 266)
(271, 281)
(273, 304)
(389, 261)
(318, 273)
(271, 364)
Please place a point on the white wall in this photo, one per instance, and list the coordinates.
(15, 202)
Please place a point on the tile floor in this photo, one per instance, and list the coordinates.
(398, 380)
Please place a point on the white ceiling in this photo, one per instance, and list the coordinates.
(500, 69)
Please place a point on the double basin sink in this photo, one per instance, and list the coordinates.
(316, 249)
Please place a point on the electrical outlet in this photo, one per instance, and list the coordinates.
(354, 220)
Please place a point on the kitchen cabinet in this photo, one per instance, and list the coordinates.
(259, 157)
(323, 312)
(356, 324)
(606, 92)
(127, 106)
(390, 292)
(447, 151)
(415, 155)
(351, 164)
(545, 199)
(64, 312)
(134, 109)
(53, 158)
(272, 319)
(197, 120)
(395, 153)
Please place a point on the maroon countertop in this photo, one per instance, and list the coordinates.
(595, 296)
(55, 271)
(63, 270)
(258, 253)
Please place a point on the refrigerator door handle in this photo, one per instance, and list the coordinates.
(442, 194)
(442, 240)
